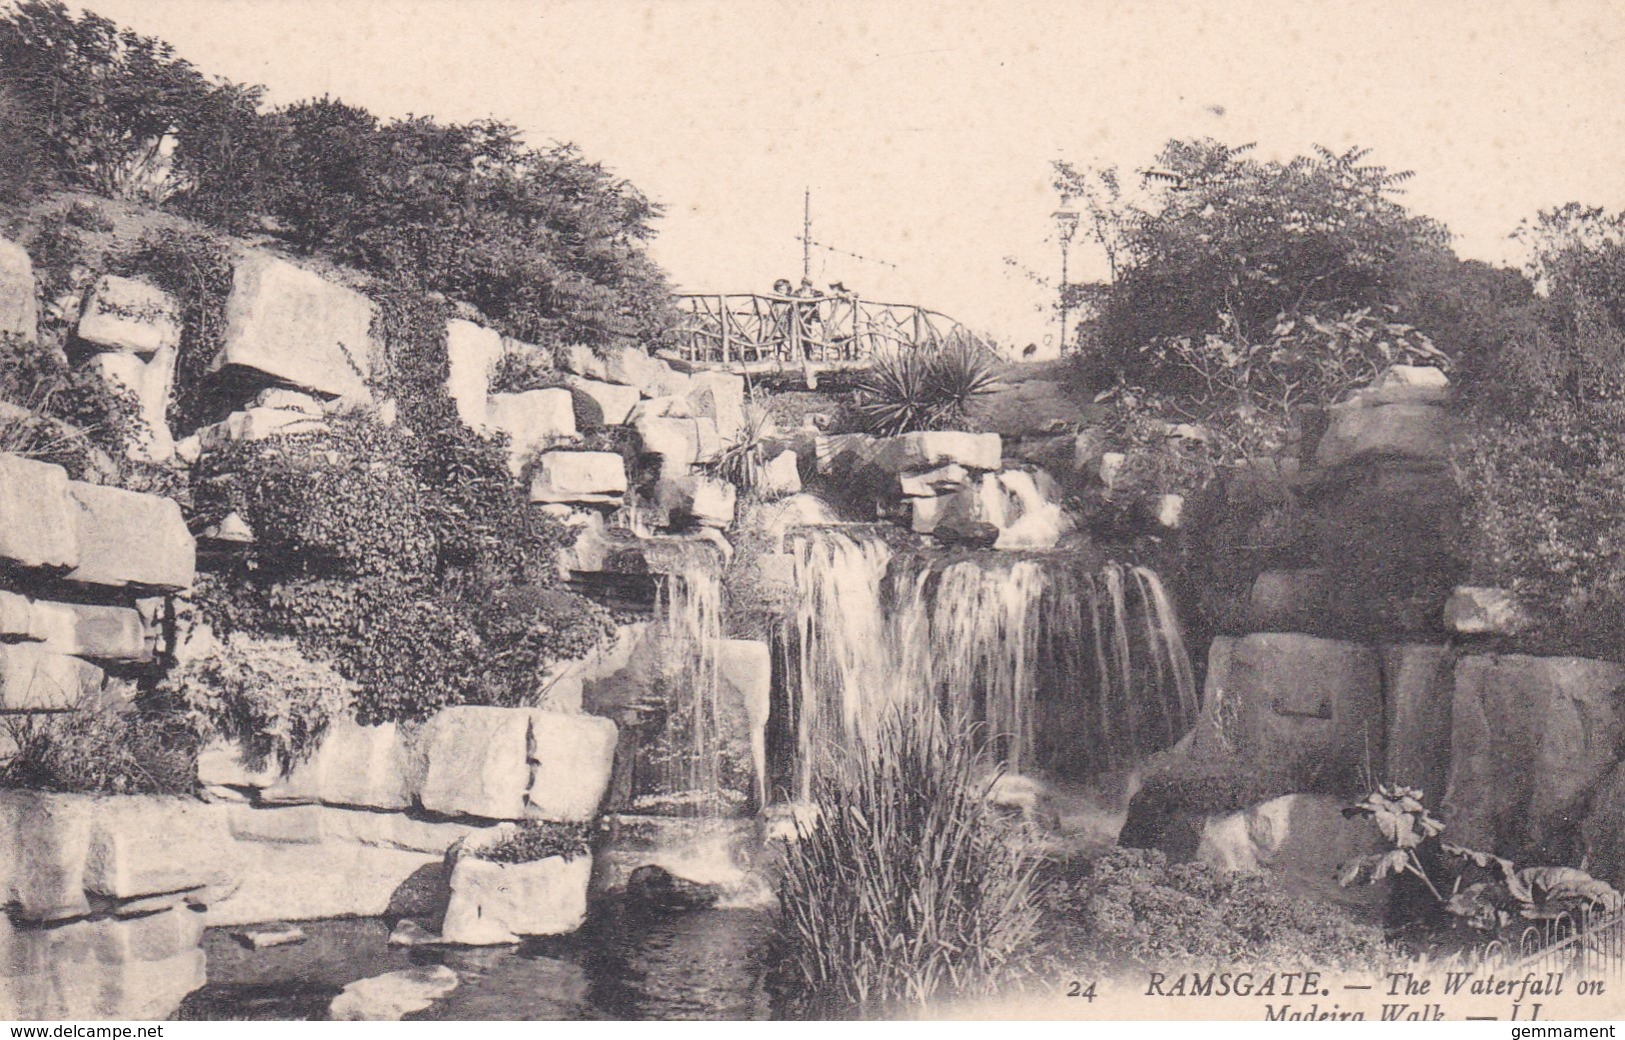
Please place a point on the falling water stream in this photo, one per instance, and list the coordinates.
(1070, 670)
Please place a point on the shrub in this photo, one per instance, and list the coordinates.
(196, 268)
(263, 694)
(1129, 907)
(907, 887)
(526, 630)
(68, 416)
(914, 390)
(538, 839)
(102, 749)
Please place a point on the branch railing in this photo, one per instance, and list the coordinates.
(753, 328)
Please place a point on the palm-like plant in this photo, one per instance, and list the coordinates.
(925, 390)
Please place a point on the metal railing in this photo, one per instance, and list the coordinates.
(755, 328)
(1588, 944)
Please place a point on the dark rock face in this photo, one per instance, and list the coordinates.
(972, 534)
(659, 888)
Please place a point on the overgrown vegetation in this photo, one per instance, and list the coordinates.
(538, 839)
(546, 243)
(905, 887)
(102, 748)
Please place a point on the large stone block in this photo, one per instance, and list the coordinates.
(354, 765)
(128, 315)
(39, 522)
(1294, 703)
(80, 629)
(1289, 601)
(256, 424)
(572, 757)
(580, 359)
(1365, 425)
(142, 846)
(224, 764)
(44, 842)
(150, 382)
(578, 476)
(600, 404)
(496, 903)
(1530, 737)
(136, 969)
(475, 762)
(631, 366)
(472, 354)
(706, 501)
(304, 882)
(393, 995)
(719, 396)
(781, 476)
(1474, 610)
(677, 444)
(32, 679)
(297, 327)
(1604, 829)
(131, 539)
(19, 307)
(534, 421)
(912, 452)
(1417, 694)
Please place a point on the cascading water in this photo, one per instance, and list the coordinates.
(1070, 670)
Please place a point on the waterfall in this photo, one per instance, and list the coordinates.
(688, 625)
(1068, 669)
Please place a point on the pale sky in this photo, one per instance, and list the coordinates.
(925, 130)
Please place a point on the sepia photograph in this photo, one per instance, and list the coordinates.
(878, 510)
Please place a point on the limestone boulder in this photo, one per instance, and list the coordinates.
(1302, 840)
(392, 996)
(291, 881)
(706, 501)
(19, 307)
(39, 521)
(1417, 682)
(143, 846)
(1368, 424)
(534, 421)
(256, 424)
(572, 757)
(1289, 601)
(1603, 831)
(781, 476)
(101, 633)
(284, 399)
(578, 476)
(128, 539)
(666, 382)
(1530, 738)
(296, 327)
(496, 903)
(354, 765)
(136, 969)
(1292, 703)
(32, 679)
(472, 355)
(125, 314)
(720, 397)
(937, 481)
(676, 445)
(1474, 610)
(224, 764)
(44, 843)
(631, 366)
(598, 403)
(475, 762)
(583, 361)
(912, 452)
(149, 382)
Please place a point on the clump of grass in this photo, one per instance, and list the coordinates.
(907, 887)
(536, 840)
(925, 389)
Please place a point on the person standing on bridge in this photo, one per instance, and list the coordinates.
(810, 326)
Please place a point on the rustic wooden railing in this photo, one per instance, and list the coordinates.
(756, 330)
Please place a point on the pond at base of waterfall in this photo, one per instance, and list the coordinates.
(626, 963)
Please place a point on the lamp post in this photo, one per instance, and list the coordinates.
(1066, 223)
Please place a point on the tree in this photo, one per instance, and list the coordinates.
(1217, 232)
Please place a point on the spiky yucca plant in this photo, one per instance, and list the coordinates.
(925, 389)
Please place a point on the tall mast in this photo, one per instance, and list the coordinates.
(806, 234)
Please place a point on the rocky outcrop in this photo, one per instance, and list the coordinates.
(1295, 703)
(32, 679)
(514, 763)
(38, 520)
(354, 765)
(122, 969)
(392, 996)
(534, 421)
(1403, 415)
(19, 309)
(494, 903)
(295, 327)
(472, 355)
(600, 404)
(1477, 611)
(1302, 840)
(580, 477)
(150, 382)
(1417, 682)
(101, 633)
(130, 316)
(130, 539)
(1530, 738)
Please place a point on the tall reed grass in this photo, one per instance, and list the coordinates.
(906, 885)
